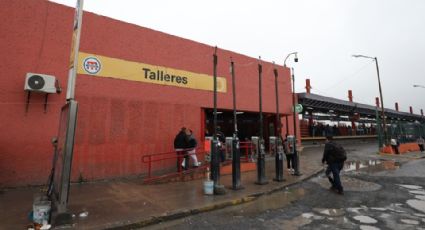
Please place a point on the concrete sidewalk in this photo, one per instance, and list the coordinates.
(127, 204)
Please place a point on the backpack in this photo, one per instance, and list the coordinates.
(339, 153)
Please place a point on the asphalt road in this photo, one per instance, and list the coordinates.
(380, 193)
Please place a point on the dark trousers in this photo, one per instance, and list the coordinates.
(395, 148)
(421, 147)
(289, 160)
(335, 180)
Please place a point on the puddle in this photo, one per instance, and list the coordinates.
(408, 186)
(330, 212)
(349, 184)
(365, 219)
(370, 166)
(419, 197)
(409, 221)
(267, 203)
(419, 192)
(308, 215)
(368, 227)
(417, 204)
(419, 214)
(355, 210)
(293, 224)
(385, 216)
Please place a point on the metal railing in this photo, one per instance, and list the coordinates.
(150, 159)
(246, 148)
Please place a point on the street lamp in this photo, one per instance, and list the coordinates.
(278, 145)
(384, 123)
(295, 158)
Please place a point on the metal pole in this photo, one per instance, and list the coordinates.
(261, 167)
(236, 158)
(384, 123)
(72, 73)
(378, 129)
(215, 165)
(295, 159)
(279, 147)
(64, 217)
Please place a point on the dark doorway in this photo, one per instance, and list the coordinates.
(248, 124)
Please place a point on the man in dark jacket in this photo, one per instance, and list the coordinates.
(180, 146)
(334, 155)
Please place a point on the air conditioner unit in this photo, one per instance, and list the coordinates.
(40, 83)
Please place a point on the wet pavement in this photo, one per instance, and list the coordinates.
(380, 193)
(371, 182)
(114, 204)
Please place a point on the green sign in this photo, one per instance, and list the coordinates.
(298, 108)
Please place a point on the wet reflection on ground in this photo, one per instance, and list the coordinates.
(370, 166)
(419, 202)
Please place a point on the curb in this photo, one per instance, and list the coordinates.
(185, 213)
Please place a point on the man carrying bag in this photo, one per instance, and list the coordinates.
(334, 155)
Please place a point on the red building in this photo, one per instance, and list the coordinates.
(146, 86)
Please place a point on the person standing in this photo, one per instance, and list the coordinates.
(192, 144)
(289, 155)
(334, 156)
(421, 143)
(221, 144)
(394, 145)
(180, 146)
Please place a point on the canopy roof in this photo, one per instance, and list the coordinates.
(322, 104)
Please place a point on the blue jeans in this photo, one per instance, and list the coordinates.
(335, 180)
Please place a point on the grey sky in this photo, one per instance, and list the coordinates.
(325, 33)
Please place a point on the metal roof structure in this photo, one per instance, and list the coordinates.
(319, 103)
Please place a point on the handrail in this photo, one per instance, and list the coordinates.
(248, 146)
(158, 157)
(149, 159)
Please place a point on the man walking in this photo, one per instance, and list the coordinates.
(334, 155)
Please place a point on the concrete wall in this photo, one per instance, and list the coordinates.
(118, 120)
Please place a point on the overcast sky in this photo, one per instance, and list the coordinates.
(324, 32)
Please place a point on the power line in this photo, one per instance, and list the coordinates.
(349, 76)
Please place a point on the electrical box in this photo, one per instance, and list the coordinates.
(229, 147)
(41, 83)
(272, 145)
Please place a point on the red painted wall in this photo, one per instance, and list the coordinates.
(118, 120)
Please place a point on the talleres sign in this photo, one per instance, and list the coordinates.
(101, 66)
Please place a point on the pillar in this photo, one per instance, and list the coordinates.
(307, 86)
(350, 95)
(377, 102)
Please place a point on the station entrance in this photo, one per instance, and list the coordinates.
(248, 124)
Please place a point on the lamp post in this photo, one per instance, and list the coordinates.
(278, 147)
(261, 164)
(236, 159)
(295, 159)
(384, 122)
(215, 164)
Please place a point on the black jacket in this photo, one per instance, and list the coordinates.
(180, 141)
(330, 154)
(192, 142)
